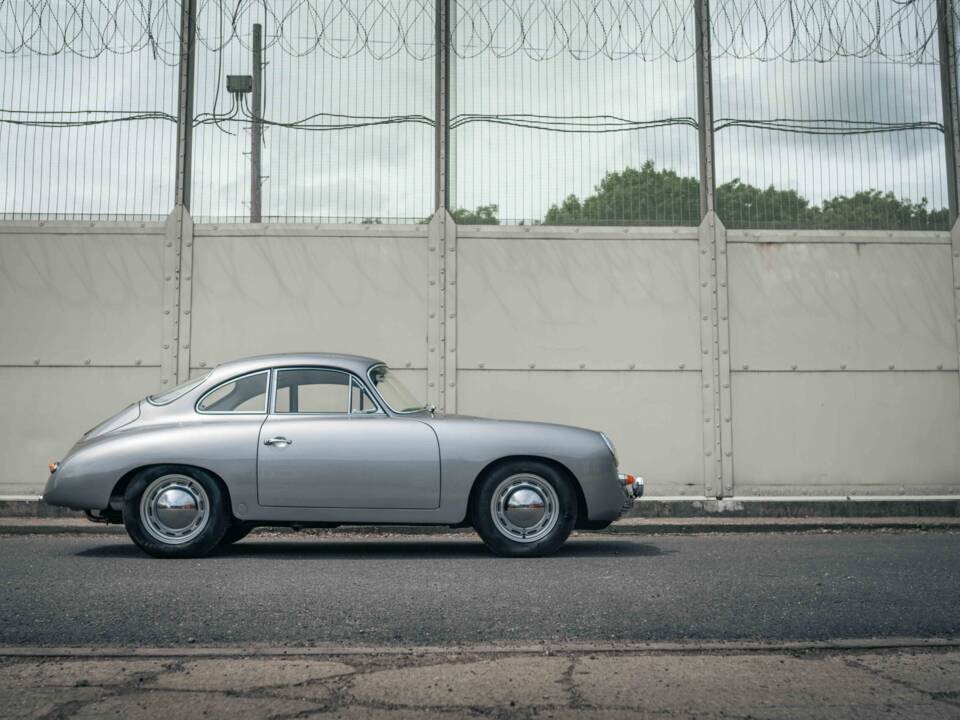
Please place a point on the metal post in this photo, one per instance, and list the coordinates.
(948, 90)
(714, 312)
(442, 266)
(188, 43)
(451, 110)
(256, 129)
(951, 124)
(442, 91)
(708, 180)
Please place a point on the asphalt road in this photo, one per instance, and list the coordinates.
(80, 590)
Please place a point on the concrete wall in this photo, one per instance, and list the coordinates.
(722, 363)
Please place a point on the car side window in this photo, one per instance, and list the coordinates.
(247, 394)
(360, 401)
(312, 390)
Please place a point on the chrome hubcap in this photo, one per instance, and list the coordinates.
(525, 507)
(174, 509)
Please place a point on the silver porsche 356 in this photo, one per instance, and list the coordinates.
(325, 440)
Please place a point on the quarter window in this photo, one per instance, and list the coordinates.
(246, 394)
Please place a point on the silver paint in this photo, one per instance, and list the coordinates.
(378, 468)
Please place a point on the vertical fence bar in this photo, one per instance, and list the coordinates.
(705, 107)
(188, 43)
(256, 127)
(442, 93)
(948, 90)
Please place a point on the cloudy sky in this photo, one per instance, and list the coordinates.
(628, 59)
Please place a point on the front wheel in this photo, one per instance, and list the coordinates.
(170, 511)
(524, 509)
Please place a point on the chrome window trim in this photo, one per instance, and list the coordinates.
(272, 405)
(196, 382)
(266, 404)
(373, 386)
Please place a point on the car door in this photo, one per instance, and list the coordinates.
(326, 444)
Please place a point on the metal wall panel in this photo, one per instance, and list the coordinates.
(846, 433)
(298, 290)
(566, 302)
(76, 293)
(652, 417)
(823, 306)
(48, 409)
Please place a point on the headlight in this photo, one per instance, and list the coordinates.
(613, 450)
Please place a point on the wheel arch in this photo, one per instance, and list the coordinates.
(555, 464)
(116, 495)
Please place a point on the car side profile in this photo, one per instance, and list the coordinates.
(324, 440)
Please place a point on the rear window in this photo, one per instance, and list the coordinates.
(246, 394)
(179, 391)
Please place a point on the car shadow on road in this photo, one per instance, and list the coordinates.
(376, 549)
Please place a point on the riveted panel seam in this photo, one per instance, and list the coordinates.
(709, 364)
(955, 252)
(170, 297)
(435, 233)
(185, 304)
(449, 339)
(722, 324)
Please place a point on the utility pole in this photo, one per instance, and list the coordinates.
(256, 130)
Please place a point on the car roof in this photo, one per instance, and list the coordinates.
(358, 364)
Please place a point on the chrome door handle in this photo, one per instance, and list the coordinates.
(278, 441)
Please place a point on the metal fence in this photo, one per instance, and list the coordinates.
(780, 113)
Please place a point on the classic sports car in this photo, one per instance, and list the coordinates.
(325, 440)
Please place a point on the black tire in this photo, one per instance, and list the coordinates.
(236, 533)
(513, 474)
(200, 540)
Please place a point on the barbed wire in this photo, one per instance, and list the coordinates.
(902, 31)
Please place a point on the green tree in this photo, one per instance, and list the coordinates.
(750, 207)
(483, 215)
(875, 210)
(661, 197)
(633, 197)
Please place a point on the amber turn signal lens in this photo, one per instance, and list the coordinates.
(628, 479)
(53, 467)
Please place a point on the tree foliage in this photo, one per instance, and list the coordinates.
(661, 197)
(633, 197)
(483, 215)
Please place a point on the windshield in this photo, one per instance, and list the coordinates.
(394, 392)
(173, 393)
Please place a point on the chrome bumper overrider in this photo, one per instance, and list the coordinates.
(632, 490)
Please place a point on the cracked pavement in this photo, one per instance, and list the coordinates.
(447, 683)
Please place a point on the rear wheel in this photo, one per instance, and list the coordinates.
(170, 511)
(524, 509)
